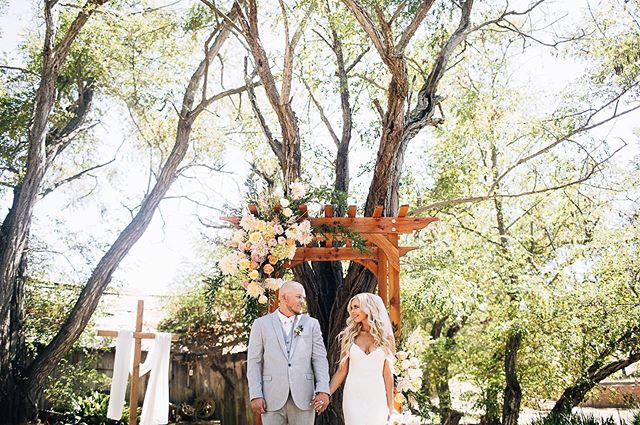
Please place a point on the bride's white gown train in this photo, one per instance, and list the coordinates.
(364, 400)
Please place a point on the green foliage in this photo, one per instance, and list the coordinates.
(90, 409)
(46, 308)
(208, 317)
(550, 276)
(615, 42)
(575, 419)
(73, 378)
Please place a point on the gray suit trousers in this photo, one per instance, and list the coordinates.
(289, 414)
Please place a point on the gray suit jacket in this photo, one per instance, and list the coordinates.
(272, 374)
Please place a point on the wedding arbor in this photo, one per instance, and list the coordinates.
(381, 255)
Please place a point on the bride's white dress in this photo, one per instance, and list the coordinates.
(364, 400)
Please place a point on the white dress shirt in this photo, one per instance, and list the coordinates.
(287, 322)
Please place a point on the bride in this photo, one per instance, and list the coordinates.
(366, 361)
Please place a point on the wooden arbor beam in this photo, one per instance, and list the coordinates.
(384, 225)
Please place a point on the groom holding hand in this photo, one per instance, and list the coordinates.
(287, 364)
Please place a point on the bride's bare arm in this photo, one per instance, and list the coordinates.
(388, 384)
(338, 378)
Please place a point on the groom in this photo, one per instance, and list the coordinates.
(287, 364)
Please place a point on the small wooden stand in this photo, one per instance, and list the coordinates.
(138, 336)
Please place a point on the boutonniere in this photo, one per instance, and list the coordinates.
(298, 330)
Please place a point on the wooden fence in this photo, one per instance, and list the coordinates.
(222, 379)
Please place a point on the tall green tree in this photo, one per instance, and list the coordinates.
(53, 121)
(501, 291)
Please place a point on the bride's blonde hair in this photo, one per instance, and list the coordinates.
(371, 307)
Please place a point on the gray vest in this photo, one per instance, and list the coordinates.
(288, 339)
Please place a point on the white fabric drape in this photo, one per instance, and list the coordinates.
(121, 366)
(156, 399)
(155, 409)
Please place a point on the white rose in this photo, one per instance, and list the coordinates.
(273, 284)
(238, 236)
(297, 190)
(292, 232)
(228, 264)
(305, 238)
(263, 299)
(414, 362)
(305, 226)
(254, 290)
(284, 202)
(402, 355)
(248, 222)
(414, 373)
(287, 212)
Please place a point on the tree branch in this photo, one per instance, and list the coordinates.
(367, 25)
(411, 29)
(491, 196)
(207, 102)
(581, 129)
(74, 177)
(16, 68)
(276, 146)
(323, 117)
(290, 46)
(357, 60)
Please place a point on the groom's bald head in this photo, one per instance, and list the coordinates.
(292, 297)
(291, 286)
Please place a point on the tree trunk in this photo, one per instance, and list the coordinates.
(442, 385)
(452, 418)
(599, 370)
(512, 390)
(512, 394)
(17, 402)
(15, 353)
(20, 391)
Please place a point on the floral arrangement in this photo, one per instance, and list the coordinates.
(409, 375)
(266, 240)
(405, 418)
(408, 385)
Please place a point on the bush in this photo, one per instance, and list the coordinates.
(574, 419)
(90, 409)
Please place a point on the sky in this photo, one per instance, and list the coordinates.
(171, 248)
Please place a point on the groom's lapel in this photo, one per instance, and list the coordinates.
(277, 329)
(302, 321)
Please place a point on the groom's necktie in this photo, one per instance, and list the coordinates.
(288, 338)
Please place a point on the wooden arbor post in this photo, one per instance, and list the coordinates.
(382, 256)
